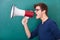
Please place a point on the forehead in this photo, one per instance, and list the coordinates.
(37, 7)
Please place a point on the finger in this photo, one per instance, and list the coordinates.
(26, 17)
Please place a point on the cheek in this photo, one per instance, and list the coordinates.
(38, 13)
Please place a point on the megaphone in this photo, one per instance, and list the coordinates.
(19, 12)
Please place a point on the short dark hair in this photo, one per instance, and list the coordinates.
(43, 6)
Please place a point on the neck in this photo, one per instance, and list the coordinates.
(44, 18)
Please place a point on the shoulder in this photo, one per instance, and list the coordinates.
(52, 24)
(51, 21)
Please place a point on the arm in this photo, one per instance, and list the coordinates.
(33, 33)
(24, 22)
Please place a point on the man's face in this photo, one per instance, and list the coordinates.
(38, 12)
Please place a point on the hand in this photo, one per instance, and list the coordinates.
(25, 20)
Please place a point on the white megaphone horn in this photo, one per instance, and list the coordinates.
(19, 12)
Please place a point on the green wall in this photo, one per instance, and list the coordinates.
(12, 28)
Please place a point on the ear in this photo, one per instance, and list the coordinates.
(44, 11)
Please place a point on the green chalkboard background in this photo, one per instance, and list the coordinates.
(12, 28)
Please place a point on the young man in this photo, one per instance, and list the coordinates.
(47, 29)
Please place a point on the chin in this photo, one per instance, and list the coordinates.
(37, 17)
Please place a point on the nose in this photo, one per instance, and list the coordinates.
(35, 11)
